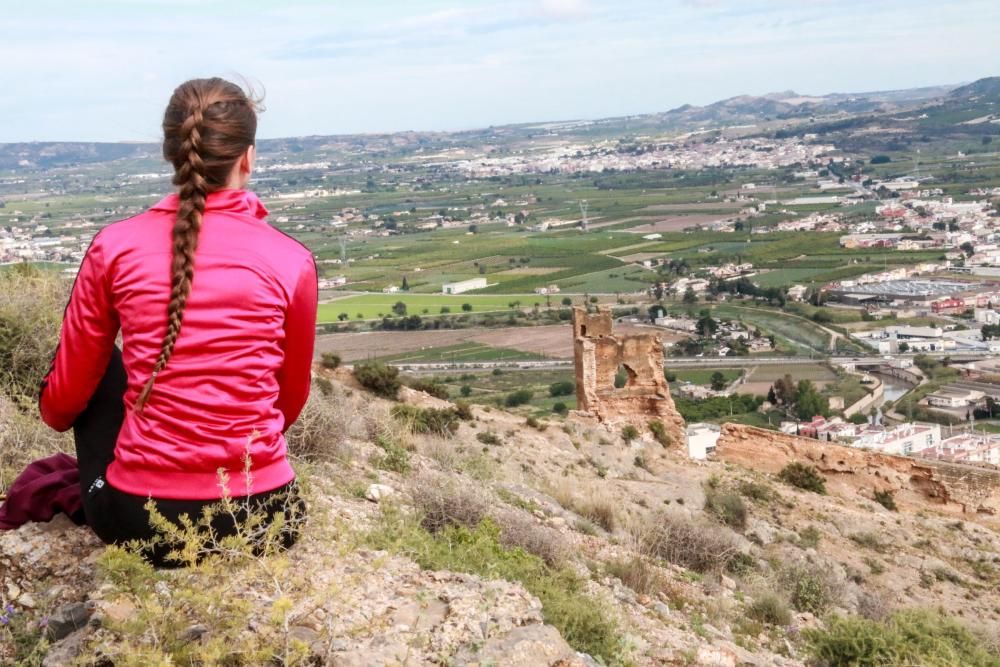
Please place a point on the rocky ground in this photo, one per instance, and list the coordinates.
(573, 492)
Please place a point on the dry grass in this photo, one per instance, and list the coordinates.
(444, 501)
(24, 438)
(31, 310)
(592, 503)
(695, 545)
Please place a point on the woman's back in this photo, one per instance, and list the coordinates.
(231, 378)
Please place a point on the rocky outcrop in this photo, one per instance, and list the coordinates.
(850, 471)
(599, 354)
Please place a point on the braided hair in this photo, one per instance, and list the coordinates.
(207, 127)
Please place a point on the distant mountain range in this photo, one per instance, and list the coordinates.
(964, 108)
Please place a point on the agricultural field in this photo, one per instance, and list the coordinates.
(461, 353)
(703, 376)
(378, 305)
(493, 387)
(547, 341)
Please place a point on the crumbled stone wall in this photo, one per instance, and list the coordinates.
(598, 354)
(850, 471)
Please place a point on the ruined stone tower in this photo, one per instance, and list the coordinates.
(598, 354)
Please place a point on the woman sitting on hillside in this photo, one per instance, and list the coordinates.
(217, 312)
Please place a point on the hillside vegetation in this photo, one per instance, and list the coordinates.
(441, 533)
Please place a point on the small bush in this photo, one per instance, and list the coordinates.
(592, 504)
(560, 408)
(868, 540)
(318, 433)
(810, 587)
(756, 491)
(886, 500)
(695, 546)
(659, 432)
(395, 458)
(330, 360)
(726, 507)
(535, 423)
(803, 476)
(906, 637)
(432, 387)
(488, 438)
(629, 433)
(378, 378)
(638, 574)
(440, 421)
(564, 388)
(463, 411)
(519, 397)
(771, 609)
(809, 537)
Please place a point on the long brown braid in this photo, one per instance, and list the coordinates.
(207, 127)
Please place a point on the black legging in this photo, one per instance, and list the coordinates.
(116, 516)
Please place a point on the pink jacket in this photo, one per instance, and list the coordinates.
(240, 371)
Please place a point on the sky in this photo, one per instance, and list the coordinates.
(84, 70)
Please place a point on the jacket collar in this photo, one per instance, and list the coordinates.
(228, 201)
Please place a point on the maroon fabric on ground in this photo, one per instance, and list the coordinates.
(45, 488)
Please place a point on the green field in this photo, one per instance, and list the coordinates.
(815, 372)
(377, 305)
(461, 352)
(488, 388)
(704, 375)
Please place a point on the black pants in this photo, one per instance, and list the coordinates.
(117, 517)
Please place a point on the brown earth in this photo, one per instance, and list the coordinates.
(551, 340)
(676, 223)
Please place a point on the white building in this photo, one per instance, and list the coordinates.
(903, 440)
(987, 315)
(701, 439)
(966, 448)
(463, 286)
(954, 397)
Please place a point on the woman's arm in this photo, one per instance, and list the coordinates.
(295, 374)
(90, 324)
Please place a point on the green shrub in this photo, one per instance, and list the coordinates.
(629, 433)
(906, 637)
(441, 421)
(560, 408)
(804, 477)
(583, 620)
(395, 458)
(488, 438)
(432, 387)
(519, 397)
(770, 608)
(330, 360)
(810, 587)
(659, 432)
(564, 388)
(756, 491)
(886, 500)
(378, 378)
(727, 507)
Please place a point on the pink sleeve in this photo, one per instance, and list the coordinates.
(295, 374)
(89, 327)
